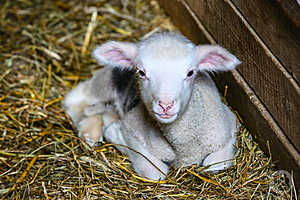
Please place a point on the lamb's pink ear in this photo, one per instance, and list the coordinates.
(116, 54)
(215, 58)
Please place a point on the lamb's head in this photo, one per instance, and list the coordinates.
(166, 64)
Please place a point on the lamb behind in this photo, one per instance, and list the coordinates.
(200, 127)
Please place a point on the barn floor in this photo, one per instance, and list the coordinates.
(45, 51)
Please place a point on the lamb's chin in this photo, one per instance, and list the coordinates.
(164, 119)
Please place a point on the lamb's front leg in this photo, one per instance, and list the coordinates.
(116, 133)
(161, 148)
(156, 169)
(222, 159)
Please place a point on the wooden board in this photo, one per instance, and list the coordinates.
(291, 9)
(262, 90)
(272, 26)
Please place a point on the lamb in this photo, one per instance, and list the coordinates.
(179, 94)
(95, 107)
(174, 87)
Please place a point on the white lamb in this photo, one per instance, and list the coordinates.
(180, 95)
(200, 128)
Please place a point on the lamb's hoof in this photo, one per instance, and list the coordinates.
(148, 171)
(90, 129)
(216, 166)
(170, 158)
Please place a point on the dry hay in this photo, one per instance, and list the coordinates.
(45, 50)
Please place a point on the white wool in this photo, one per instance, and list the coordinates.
(199, 127)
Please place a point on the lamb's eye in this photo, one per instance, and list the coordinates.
(141, 73)
(190, 74)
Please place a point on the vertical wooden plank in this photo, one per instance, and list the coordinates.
(292, 10)
(275, 29)
(184, 21)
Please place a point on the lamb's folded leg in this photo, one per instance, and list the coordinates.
(222, 159)
(115, 133)
(160, 148)
(146, 169)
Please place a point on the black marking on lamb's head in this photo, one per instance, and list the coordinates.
(124, 81)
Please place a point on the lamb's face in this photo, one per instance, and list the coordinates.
(166, 71)
(167, 64)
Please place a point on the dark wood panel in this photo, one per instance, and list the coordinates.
(275, 29)
(184, 21)
(238, 96)
(261, 69)
(292, 10)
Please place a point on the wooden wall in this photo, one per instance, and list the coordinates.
(265, 89)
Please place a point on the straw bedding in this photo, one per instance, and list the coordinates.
(45, 51)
